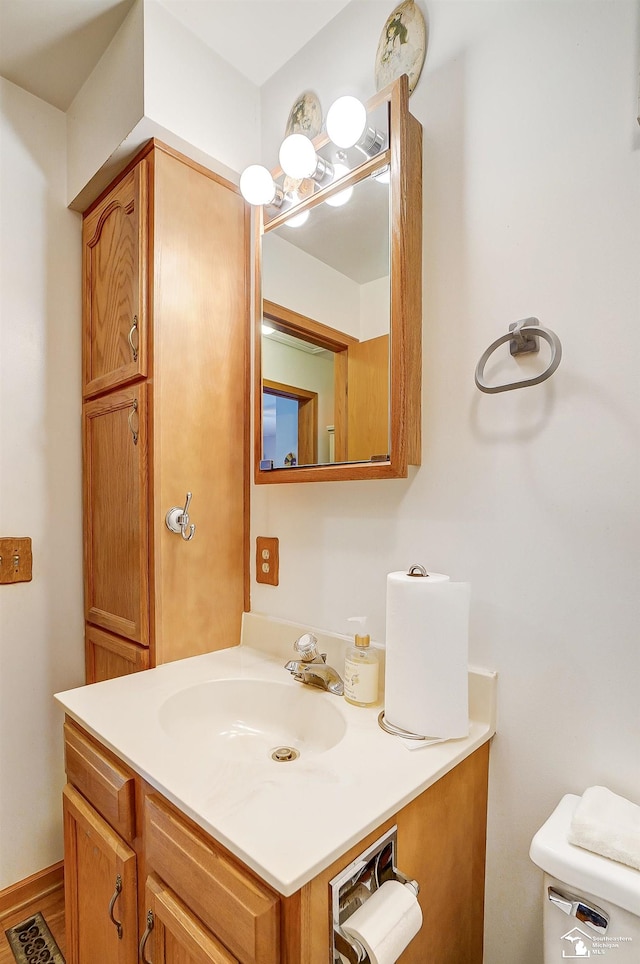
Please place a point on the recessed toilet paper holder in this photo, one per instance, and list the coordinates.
(354, 885)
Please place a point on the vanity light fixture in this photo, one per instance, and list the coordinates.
(347, 126)
(258, 187)
(298, 159)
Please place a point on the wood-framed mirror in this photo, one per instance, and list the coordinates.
(338, 317)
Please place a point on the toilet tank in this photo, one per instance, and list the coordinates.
(591, 904)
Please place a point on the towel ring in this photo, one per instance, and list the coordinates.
(524, 339)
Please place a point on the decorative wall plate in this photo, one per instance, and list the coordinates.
(305, 116)
(402, 46)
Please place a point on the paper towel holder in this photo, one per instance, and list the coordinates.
(352, 886)
(394, 730)
(417, 570)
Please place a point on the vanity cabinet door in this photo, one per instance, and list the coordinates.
(174, 934)
(116, 513)
(239, 908)
(114, 244)
(100, 888)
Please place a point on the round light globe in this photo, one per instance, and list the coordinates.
(337, 200)
(257, 185)
(297, 156)
(346, 120)
(297, 220)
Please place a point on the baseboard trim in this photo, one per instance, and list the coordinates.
(26, 893)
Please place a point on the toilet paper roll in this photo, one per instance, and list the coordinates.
(427, 652)
(386, 922)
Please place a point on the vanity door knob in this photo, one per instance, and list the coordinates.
(133, 331)
(112, 903)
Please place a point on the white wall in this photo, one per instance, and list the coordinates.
(197, 95)
(107, 108)
(531, 207)
(41, 630)
(374, 308)
(158, 79)
(297, 280)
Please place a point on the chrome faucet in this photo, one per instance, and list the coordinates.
(312, 667)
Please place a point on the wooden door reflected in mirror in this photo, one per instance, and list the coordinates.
(325, 395)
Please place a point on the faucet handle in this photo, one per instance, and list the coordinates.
(306, 646)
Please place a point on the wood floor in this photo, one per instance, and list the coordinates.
(43, 892)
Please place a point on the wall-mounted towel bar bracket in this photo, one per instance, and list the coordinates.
(523, 342)
(523, 337)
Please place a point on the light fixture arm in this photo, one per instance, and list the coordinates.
(371, 141)
(323, 171)
(278, 198)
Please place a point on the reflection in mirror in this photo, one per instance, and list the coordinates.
(347, 282)
(326, 332)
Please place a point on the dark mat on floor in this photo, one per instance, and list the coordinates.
(32, 943)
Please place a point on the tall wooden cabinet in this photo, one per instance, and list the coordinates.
(165, 387)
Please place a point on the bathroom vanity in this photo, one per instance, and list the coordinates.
(184, 834)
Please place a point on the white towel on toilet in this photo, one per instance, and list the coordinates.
(607, 824)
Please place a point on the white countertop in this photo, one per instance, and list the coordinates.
(287, 821)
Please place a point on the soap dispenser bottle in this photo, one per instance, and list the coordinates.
(361, 668)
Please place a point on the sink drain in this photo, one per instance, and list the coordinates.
(283, 754)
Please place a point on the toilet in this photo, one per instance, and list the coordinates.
(591, 904)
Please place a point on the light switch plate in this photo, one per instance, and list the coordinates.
(15, 560)
(267, 560)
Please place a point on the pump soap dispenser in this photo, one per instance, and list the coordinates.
(361, 668)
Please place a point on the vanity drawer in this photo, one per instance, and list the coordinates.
(243, 913)
(102, 780)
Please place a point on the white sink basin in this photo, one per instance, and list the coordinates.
(245, 715)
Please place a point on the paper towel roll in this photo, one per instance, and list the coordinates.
(386, 922)
(427, 654)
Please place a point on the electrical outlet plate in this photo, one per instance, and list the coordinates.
(15, 560)
(267, 560)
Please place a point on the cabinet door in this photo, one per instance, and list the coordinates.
(116, 513)
(200, 321)
(100, 888)
(108, 656)
(174, 935)
(368, 408)
(115, 246)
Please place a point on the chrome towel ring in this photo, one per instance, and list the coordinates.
(524, 338)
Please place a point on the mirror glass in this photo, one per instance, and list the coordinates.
(325, 343)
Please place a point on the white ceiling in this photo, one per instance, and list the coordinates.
(49, 47)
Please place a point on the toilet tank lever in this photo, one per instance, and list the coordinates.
(574, 906)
